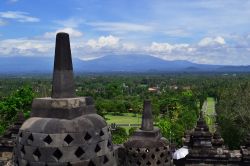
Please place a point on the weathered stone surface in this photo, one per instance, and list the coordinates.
(206, 150)
(217, 140)
(146, 147)
(63, 108)
(63, 83)
(147, 117)
(64, 130)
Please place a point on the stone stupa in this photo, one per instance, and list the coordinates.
(147, 146)
(201, 149)
(64, 130)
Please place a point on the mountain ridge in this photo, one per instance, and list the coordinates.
(111, 63)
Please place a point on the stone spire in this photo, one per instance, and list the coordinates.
(63, 83)
(64, 129)
(147, 146)
(201, 124)
(147, 117)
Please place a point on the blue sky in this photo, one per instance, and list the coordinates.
(201, 31)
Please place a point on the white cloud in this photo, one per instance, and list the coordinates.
(104, 45)
(160, 47)
(120, 27)
(208, 41)
(104, 41)
(213, 50)
(166, 47)
(129, 46)
(19, 16)
(45, 46)
(25, 47)
(87, 49)
(72, 32)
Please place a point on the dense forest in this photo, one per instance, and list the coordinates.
(176, 100)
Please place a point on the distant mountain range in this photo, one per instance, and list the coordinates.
(111, 63)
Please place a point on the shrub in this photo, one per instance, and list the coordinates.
(119, 135)
(132, 130)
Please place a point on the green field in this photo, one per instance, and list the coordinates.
(210, 114)
(126, 118)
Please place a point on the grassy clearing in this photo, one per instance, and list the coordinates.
(210, 105)
(210, 114)
(126, 118)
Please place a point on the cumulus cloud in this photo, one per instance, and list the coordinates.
(210, 50)
(104, 41)
(102, 46)
(25, 47)
(208, 41)
(72, 32)
(19, 16)
(84, 49)
(166, 47)
(160, 47)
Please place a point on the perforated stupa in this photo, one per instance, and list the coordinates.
(64, 129)
(147, 147)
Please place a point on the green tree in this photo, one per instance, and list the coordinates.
(19, 101)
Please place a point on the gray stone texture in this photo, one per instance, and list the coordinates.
(147, 117)
(147, 147)
(63, 83)
(64, 129)
(207, 149)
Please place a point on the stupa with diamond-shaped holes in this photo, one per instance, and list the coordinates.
(64, 129)
(147, 147)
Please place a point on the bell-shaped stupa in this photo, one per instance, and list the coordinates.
(147, 146)
(64, 129)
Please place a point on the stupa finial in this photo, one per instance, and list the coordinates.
(63, 83)
(147, 117)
